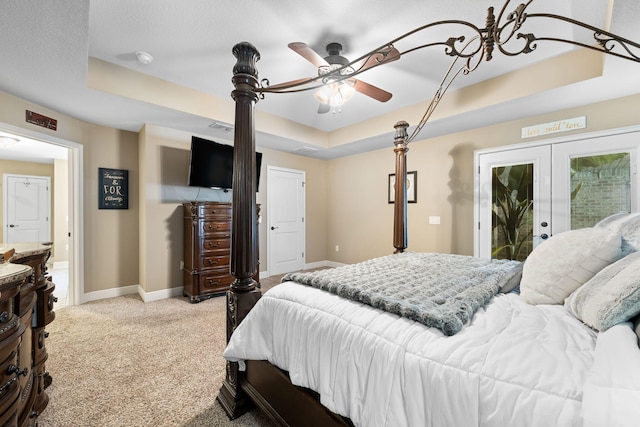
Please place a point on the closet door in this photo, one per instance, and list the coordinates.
(514, 202)
(594, 178)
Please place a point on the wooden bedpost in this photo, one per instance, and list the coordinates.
(400, 199)
(244, 227)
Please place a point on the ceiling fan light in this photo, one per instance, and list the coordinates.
(336, 93)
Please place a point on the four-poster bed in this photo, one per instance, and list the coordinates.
(252, 380)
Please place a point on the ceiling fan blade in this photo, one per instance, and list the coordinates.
(290, 83)
(392, 54)
(309, 54)
(372, 91)
(323, 108)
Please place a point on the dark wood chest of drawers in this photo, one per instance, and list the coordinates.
(207, 249)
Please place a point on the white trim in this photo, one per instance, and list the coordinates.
(160, 295)
(568, 138)
(518, 146)
(109, 293)
(76, 213)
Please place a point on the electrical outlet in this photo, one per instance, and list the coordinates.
(181, 265)
(337, 248)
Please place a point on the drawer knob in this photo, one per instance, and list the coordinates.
(13, 369)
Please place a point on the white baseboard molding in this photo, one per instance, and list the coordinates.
(177, 291)
(158, 295)
(109, 293)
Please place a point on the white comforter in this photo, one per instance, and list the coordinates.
(513, 365)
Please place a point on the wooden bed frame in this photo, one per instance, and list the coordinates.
(262, 384)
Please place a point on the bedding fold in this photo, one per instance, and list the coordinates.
(437, 290)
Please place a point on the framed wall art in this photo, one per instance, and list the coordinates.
(412, 187)
(113, 188)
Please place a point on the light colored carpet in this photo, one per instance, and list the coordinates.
(122, 362)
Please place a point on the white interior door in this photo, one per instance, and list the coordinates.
(27, 208)
(285, 227)
(514, 201)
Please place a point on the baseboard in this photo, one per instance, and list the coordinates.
(158, 295)
(175, 292)
(109, 293)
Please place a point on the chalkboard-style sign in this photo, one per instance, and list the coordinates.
(113, 188)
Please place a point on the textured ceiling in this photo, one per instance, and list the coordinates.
(46, 45)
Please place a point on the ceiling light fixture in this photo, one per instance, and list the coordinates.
(8, 141)
(504, 33)
(144, 57)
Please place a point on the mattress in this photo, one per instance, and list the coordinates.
(513, 364)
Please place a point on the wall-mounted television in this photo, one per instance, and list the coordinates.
(211, 164)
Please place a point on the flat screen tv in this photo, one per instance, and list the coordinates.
(211, 164)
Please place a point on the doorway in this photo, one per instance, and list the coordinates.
(525, 194)
(67, 195)
(286, 224)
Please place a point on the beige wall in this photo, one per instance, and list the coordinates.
(360, 219)
(164, 168)
(346, 199)
(110, 236)
(109, 239)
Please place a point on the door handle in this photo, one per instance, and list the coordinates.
(12, 225)
(273, 228)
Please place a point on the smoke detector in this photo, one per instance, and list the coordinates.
(144, 57)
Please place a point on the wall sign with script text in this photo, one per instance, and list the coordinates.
(113, 188)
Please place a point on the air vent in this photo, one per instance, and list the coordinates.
(221, 126)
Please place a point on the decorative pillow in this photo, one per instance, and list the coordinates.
(513, 282)
(628, 225)
(610, 297)
(558, 266)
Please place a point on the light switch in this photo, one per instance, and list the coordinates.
(434, 220)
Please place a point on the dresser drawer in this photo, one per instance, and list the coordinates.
(216, 260)
(216, 281)
(208, 228)
(216, 243)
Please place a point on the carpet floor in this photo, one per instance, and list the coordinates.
(122, 362)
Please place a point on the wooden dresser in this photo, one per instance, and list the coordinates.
(28, 300)
(207, 249)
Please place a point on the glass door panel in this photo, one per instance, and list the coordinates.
(600, 186)
(592, 179)
(512, 211)
(514, 202)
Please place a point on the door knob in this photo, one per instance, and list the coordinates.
(544, 236)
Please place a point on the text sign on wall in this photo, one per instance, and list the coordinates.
(113, 188)
(555, 127)
(40, 120)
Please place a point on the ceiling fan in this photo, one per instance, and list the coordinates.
(336, 92)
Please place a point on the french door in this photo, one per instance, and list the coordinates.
(525, 195)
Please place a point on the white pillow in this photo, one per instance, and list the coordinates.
(558, 266)
(612, 296)
(628, 225)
